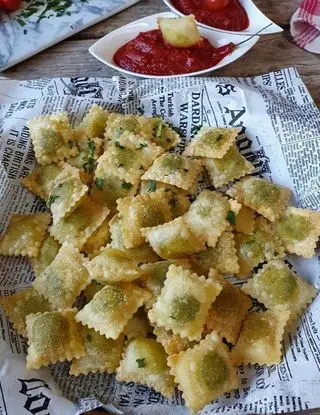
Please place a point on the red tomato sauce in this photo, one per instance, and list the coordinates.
(149, 54)
(232, 17)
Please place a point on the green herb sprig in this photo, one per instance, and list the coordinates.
(44, 9)
(141, 362)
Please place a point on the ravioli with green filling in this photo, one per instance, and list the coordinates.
(144, 361)
(299, 230)
(260, 339)
(64, 279)
(101, 354)
(280, 288)
(25, 234)
(53, 337)
(17, 306)
(203, 372)
(174, 169)
(112, 307)
(50, 135)
(212, 142)
(268, 199)
(183, 303)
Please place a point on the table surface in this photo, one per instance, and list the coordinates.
(71, 57)
(272, 52)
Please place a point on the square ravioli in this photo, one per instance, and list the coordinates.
(212, 142)
(17, 306)
(268, 199)
(299, 230)
(41, 179)
(152, 276)
(263, 245)
(223, 257)
(145, 361)
(245, 220)
(142, 211)
(80, 225)
(129, 157)
(227, 311)
(171, 168)
(280, 288)
(208, 215)
(172, 343)
(101, 354)
(94, 122)
(50, 136)
(203, 372)
(184, 302)
(228, 168)
(99, 239)
(53, 336)
(25, 234)
(173, 239)
(114, 265)
(177, 197)
(260, 339)
(47, 253)
(119, 124)
(64, 279)
(112, 307)
(66, 193)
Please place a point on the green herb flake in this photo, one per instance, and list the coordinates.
(152, 186)
(118, 145)
(70, 143)
(126, 185)
(219, 137)
(21, 22)
(45, 9)
(99, 182)
(91, 149)
(51, 200)
(141, 362)
(231, 217)
(160, 128)
(142, 145)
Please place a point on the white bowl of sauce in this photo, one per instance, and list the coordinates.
(233, 16)
(136, 50)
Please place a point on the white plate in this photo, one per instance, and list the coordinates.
(258, 22)
(105, 48)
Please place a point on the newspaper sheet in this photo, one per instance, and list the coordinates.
(280, 135)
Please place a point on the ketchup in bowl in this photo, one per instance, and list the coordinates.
(222, 14)
(149, 54)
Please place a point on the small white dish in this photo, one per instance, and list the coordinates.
(258, 22)
(105, 48)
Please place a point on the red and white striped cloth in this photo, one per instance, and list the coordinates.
(305, 26)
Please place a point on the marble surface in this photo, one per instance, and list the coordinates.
(22, 37)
